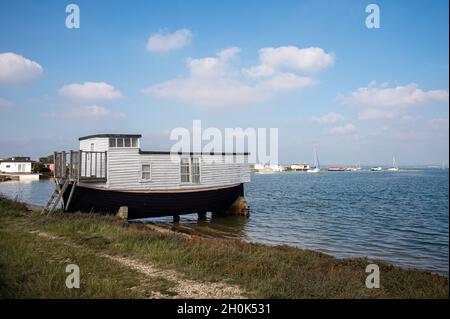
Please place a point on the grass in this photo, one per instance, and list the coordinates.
(34, 267)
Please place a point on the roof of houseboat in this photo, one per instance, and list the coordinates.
(191, 153)
(109, 135)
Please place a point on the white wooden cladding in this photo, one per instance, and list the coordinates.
(124, 168)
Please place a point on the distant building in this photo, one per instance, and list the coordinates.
(16, 165)
(261, 168)
(48, 162)
(300, 167)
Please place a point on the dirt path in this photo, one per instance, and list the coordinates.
(184, 288)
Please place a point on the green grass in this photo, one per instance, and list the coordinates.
(33, 267)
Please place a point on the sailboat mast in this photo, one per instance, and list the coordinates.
(317, 159)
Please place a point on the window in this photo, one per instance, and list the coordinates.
(146, 172)
(195, 170)
(8, 166)
(92, 147)
(185, 170)
(123, 142)
(190, 170)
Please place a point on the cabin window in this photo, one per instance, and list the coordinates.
(195, 170)
(123, 142)
(146, 172)
(92, 147)
(190, 170)
(185, 170)
(8, 166)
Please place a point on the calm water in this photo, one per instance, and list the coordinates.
(401, 217)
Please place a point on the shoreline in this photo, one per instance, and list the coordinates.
(243, 269)
(168, 227)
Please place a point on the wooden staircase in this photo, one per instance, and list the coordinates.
(57, 197)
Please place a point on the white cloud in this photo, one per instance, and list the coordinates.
(165, 41)
(329, 118)
(439, 123)
(5, 104)
(90, 112)
(91, 91)
(384, 102)
(291, 58)
(218, 82)
(343, 130)
(16, 69)
(410, 136)
(287, 82)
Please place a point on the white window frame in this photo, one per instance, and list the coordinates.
(145, 180)
(198, 158)
(190, 165)
(123, 139)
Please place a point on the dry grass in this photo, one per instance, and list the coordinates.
(32, 268)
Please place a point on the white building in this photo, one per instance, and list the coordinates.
(15, 165)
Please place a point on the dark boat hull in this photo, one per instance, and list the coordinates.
(152, 204)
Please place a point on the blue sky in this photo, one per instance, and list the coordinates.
(358, 95)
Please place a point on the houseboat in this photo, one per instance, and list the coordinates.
(110, 173)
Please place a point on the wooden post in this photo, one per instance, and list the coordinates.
(202, 216)
(176, 218)
(123, 212)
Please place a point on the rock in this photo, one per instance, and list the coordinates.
(123, 212)
(239, 207)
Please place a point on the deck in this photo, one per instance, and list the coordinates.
(81, 166)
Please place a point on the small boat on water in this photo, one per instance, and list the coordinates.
(376, 169)
(110, 173)
(316, 167)
(299, 167)
(394, 167)
(336, 169)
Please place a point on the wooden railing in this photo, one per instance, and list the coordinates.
(86, 166)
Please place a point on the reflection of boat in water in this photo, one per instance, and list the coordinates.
(336, 169)
(376, 169)
(316, 166)
(394, 167)
(216, 226)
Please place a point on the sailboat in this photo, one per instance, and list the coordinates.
(316, 167)
(394, 167)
